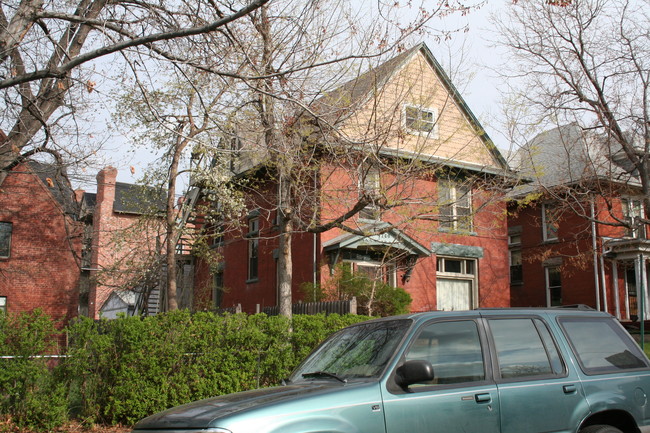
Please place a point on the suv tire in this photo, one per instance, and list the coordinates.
(600, 429)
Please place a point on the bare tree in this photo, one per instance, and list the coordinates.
(270, 91)
(583, 63)
(45, 44)
(308, 135)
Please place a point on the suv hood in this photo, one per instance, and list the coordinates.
(200, 414)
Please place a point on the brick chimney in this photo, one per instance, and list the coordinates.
(106, 186)
(102, 225)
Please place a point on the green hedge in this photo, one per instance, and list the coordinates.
(120, 371)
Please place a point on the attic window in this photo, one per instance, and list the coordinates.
(421, 121)
(5, 239)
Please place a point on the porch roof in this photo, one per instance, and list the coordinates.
(379, 235)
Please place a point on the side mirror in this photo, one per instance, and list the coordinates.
(415, 371)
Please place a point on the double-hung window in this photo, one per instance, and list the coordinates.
(456, 279)
(421, 121)
(455, 205)
(369, 187)
(633, 214)
(550, 225)
(514, 250)
(5, 239)
(253, 247)
(553, 286)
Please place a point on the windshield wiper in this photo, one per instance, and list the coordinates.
(325, 374)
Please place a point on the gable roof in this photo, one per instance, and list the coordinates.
(138, 199)
(55, 180)
(129, 199)
(378, 235)
(343, 101)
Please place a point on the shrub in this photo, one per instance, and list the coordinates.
(122, 370)
(29, 393)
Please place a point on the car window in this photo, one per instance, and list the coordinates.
(360, 351)
(524, 348)
(602, 345)
(454, 350)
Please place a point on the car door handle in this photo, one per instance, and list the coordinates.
(483, 398)
(569, 389)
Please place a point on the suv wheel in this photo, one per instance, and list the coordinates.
(600, 429)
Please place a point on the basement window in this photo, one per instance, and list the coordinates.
(3, 304)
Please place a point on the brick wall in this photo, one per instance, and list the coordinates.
(43, 267)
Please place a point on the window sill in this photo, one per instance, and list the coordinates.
(252, 280)
(458, 232)
(369, 220)
(425, 134)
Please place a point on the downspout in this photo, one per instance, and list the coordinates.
(594, 246)
(640, 292)
(602, 278)
(314, 269)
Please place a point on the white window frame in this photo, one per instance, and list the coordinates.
(547, 283)
(455, 219)
(514, 247)
(630, 214)
(433, 132)
(464, 274)
(546, 224)
(369, 181)
(3, 304)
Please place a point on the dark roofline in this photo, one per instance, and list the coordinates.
(464, 107)
(385, 71)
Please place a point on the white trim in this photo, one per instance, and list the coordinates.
(435, 130)
(463, 275)
(545, 236)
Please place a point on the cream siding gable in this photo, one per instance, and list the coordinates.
(379, 122)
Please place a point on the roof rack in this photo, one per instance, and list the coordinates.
(575, 307)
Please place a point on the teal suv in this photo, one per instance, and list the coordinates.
(481, 371)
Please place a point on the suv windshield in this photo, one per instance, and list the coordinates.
(361, 351)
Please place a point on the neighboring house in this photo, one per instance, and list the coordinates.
(567, 236)
(40, 242)
(124, 237)
(450, 254)
(75, 253)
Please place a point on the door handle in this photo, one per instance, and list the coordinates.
(569, 389)
(483, 398)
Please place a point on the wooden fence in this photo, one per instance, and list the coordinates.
(311, 308)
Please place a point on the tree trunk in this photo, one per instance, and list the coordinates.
(172, 229)
(285, 271)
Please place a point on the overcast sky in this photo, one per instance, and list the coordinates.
(469, 56)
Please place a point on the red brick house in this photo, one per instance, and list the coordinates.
(575, 235)
(441, 235)
(75, 253)
(124, 235)
(40, 242)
